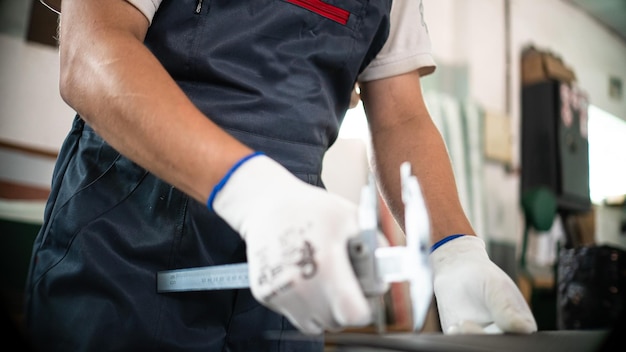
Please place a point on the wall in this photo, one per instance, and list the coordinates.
(472, 34)
(32, 113)
(31, 110)
(464, 33)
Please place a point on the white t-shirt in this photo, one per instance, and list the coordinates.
(407, 48)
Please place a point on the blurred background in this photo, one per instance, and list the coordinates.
(528, 94)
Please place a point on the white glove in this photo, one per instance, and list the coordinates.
(296, 236)
(473, 294)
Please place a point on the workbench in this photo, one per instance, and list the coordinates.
(548, 341)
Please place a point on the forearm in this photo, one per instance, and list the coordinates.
(113, 81)
(402, 130)
(424, 149)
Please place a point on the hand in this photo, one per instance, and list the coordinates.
(473, 294)
(296, 236)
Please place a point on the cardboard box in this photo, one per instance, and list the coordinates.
(540, 66)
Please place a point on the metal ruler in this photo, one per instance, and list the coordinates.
(361, 250)
(219, 277)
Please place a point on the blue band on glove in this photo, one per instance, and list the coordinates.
(224, 179)
(443, 241)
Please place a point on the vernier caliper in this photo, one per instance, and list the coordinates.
(375, 266)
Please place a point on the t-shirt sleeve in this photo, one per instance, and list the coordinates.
(408, 46)
(147, 7)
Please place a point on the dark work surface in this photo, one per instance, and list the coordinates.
(552, 341)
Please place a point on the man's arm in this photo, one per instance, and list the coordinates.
(402, 130)
(473, 294)
(115, 83)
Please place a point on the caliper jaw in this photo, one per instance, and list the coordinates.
(376, 267)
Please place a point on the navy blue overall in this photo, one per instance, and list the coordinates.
(275, 74)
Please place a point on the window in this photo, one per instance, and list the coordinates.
(607, 155)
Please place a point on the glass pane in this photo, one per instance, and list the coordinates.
(607, 155)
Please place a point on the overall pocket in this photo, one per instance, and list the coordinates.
(97, 178)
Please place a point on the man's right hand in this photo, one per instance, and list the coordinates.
(296, 236)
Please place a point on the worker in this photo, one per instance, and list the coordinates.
(199, 137)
